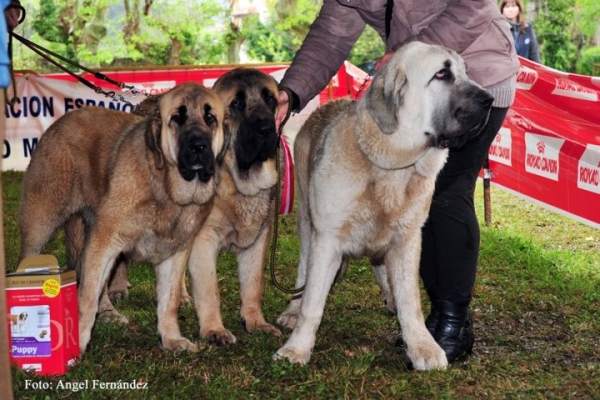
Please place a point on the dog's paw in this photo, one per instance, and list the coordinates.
(115, 294)
(262, 326)
(178, 344)
(186, 299)
(287, 321)
(427, 356)
(112, 316)
(270, 329)
(220, 337)
(293, 356)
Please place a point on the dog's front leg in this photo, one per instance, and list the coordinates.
(107, 311)
(402, 262)
(381, 276)
(168, 288)
(251, 277)
(289, 317)
(98, 261)
(323, 262)
(205, 287)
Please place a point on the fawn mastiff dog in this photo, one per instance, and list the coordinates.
(143, 187)
(366, 172)
(242, 216)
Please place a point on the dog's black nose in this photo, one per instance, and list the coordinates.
(485, 99)
(266, 128)
(199, 145)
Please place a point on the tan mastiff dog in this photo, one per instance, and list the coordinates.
(366, 172)
(142, 186)
(242, 216)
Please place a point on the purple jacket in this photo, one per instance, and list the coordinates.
(473, 28)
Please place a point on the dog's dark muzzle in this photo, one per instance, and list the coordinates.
(468, 119)
(196, 157)
(256, 141)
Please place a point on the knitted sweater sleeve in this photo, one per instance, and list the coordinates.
(327, 45)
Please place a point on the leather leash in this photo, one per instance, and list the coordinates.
(277, 284)
(130, 92)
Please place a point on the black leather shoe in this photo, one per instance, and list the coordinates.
(433, 318)
(454, 331)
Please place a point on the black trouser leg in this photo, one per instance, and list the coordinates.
(451, 234)
(450, 246)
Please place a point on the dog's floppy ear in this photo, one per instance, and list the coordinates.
(152, 136)
(384, 97)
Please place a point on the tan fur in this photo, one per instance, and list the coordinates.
(243, 212)
(366, 173)
(119, 173)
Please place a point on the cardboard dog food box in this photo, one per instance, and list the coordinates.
(41, 302)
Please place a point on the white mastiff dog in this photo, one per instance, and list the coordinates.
(366, 173)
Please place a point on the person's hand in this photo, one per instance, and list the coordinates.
(383, 60)
(282, 109)
(13, 15)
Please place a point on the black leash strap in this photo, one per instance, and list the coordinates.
(41, 50)
(277, 284)
(44, 53)
(14, 99)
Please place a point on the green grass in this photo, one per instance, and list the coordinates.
(536, 311)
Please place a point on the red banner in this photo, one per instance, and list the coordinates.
(548, 150)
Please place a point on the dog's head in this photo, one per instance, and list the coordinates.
(424, 94)
(188, 131)
(250, 99)
(23, 317)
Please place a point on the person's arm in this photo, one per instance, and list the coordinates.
(14, 14)
(534, 47)
(325, 48)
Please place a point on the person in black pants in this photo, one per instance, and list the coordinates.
(450, 246)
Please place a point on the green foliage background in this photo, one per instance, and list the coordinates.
(589, 62)
(555, 33)
(565, 30)
(120, 33)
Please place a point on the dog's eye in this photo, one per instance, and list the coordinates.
(238, 103)
(210, 119)
(269, 99)
(180, 116)
(443, 74)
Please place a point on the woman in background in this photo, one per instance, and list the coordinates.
(525, 40)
